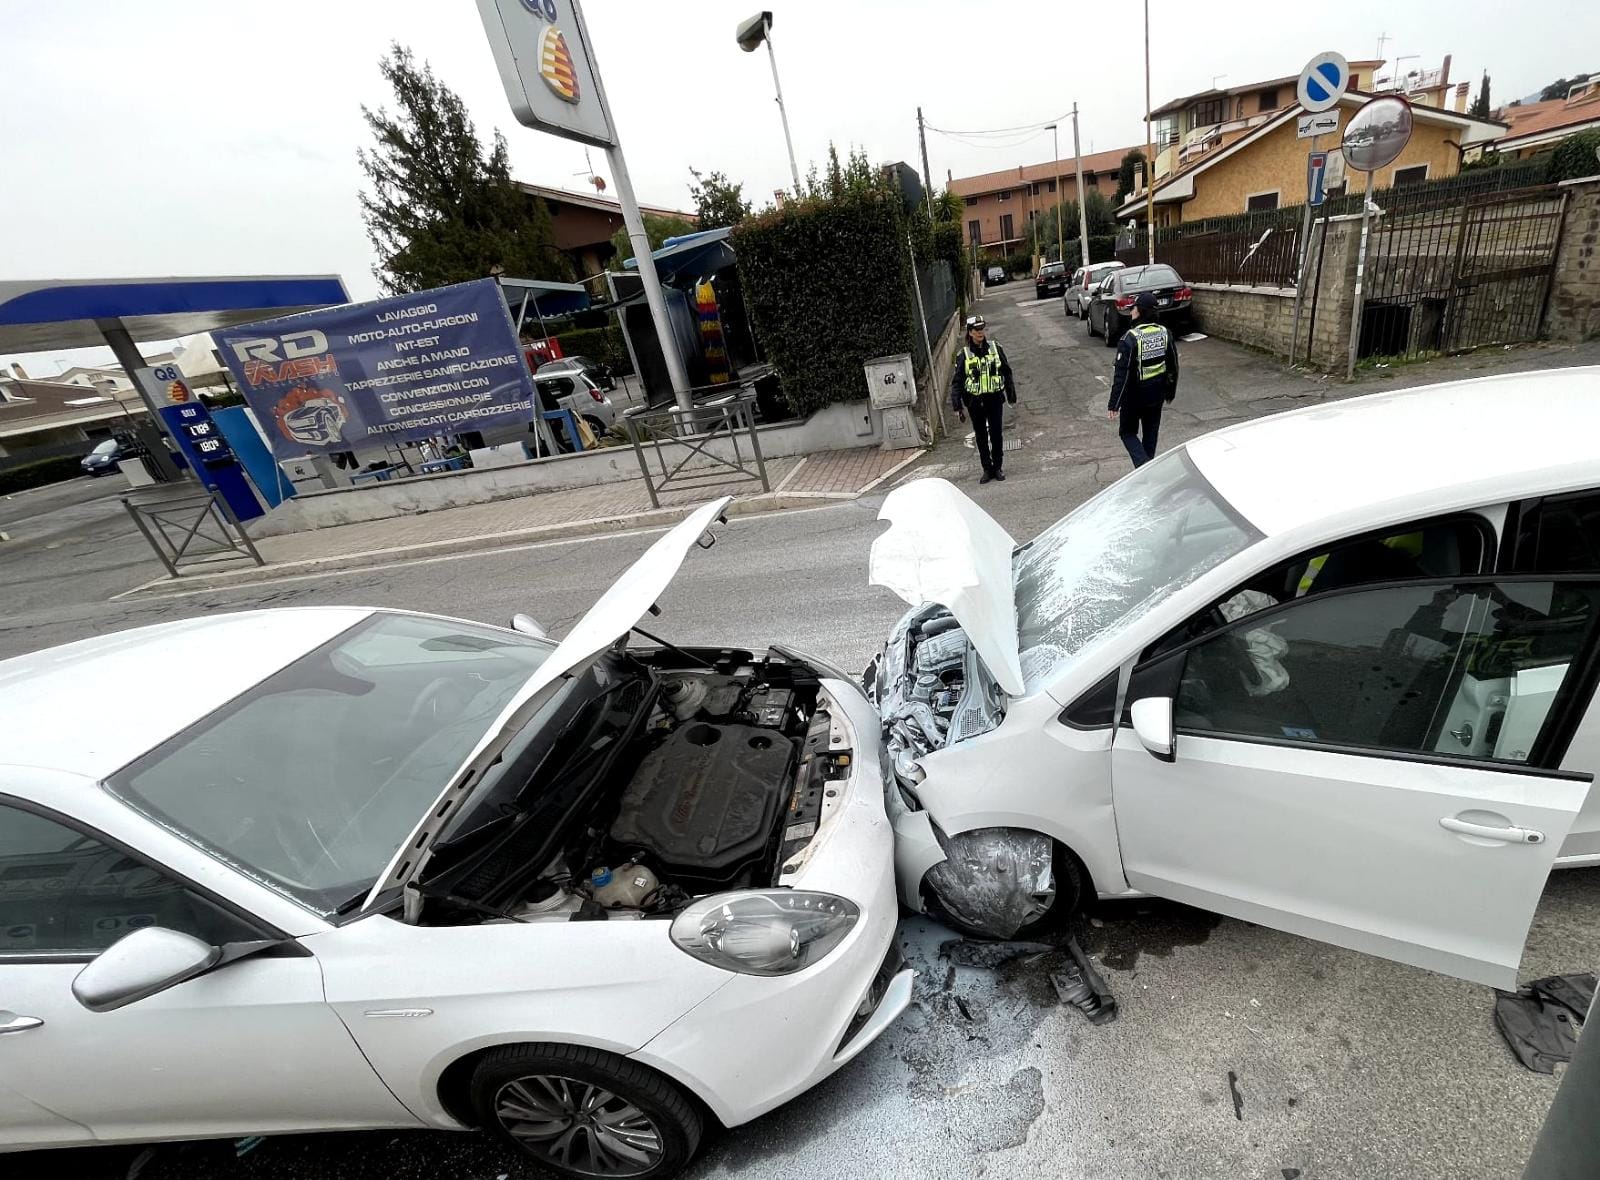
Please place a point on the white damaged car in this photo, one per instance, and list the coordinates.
(1331, 672)
(337, 868)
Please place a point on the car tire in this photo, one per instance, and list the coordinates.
(647, 1126)
(1070, 877)
(595, 425)
(1088, 319)
(1114, 329)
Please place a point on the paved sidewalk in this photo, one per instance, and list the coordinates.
(796, 483)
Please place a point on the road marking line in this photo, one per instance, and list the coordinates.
(793, 471)
(906, 462)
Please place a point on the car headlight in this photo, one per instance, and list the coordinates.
(774, 932)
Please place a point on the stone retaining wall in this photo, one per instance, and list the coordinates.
(1573, 313)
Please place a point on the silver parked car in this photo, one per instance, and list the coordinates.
(1076, 297)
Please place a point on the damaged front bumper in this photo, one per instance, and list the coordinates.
(758, 1041)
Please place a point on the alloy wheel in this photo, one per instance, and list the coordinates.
(579, 1126)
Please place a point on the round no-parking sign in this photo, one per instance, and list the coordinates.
(1323, 82)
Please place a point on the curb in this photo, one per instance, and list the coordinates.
(487, 542)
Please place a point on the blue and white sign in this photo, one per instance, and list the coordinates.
(1316, 178)
(1323, 82)
(434, 363)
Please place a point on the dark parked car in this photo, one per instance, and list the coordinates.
(1111, 309)
(104, 459)
(994, 276)
(1051, 279)
(596, 371)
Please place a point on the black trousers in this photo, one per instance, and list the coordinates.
(1140, 417)
(985, 411)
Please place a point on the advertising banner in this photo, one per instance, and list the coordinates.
(367, 374)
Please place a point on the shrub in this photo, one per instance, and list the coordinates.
(827, 284)
(1020, 263)
(41, 472)
(1574, 156)
(1102, 248)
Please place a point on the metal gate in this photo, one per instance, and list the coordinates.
(1457, 276)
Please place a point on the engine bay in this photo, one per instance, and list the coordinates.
(716, 782)
(931, 689)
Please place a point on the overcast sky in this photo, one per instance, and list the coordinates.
(173, 137)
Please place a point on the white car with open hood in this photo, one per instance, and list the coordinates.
(331, 868)
(1331, 672)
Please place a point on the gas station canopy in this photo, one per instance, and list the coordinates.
(49, 314)
(692, 256)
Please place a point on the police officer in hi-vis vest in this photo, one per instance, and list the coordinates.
(1146, 378)
(981, 375)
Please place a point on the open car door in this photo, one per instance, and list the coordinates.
(1366, 767)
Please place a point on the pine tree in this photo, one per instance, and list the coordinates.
(442, 210)
(1480, 105)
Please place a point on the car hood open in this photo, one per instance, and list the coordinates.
(940, 547)
(608, 620)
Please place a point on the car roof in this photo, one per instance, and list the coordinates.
(1410, 453)
(94, 706)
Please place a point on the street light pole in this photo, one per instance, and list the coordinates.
(1061, 238)
(1083, 215)
(1149, 150)
(751, 34)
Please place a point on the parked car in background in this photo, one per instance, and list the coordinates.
(1357, 710)
(1112, 304)
(994, 276)
(1051, 279)
(596, 371)
(1076, 297)
(383, 869)
(104, 459)
(574, 390)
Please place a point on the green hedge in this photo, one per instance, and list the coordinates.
(1102, 248)
(827, 284)
(1574, 156)
(1020, 263)
(40, 472)
(603, 344)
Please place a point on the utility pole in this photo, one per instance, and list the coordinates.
(1149, 150)
(927, 174)
(1083, 216)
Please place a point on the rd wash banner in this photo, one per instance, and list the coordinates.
(365, 374)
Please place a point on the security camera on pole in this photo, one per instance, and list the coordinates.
(1322, 84)
(547, 64)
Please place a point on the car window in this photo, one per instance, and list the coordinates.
(1426, 549)
(1077, 277)
(1560, 534)
(311, 781)
(105, 448)
(1117, 555)
(1463, 670)
(62, 891)
(1150, 277)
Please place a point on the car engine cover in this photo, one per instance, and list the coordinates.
(706, 800)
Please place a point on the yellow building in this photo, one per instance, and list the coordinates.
(1265, 168)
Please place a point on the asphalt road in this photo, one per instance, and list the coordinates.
(1239, 1051)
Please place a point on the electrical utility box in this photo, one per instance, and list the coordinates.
(892, 389)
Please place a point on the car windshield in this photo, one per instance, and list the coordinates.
(106, 448)
(1150, 277)
(1106, 563)
(309, 782)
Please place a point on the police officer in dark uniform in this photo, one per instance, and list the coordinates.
(1146, 378)
(981, 374)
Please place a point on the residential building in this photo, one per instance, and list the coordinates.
(1265, 168)
(41, 419)
(1538, 126)
(1187, 128)
(582, 224)
(1000, 207)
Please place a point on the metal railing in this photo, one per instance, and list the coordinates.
(193, 528)
(689, 436)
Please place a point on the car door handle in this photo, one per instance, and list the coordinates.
(1506, 835)
(18, 1024)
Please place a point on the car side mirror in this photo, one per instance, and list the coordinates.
(1153, 726)
(141, 964)
(526, 625)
